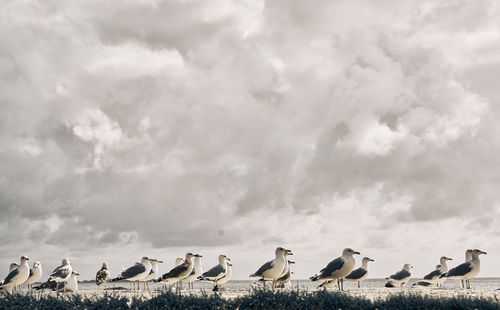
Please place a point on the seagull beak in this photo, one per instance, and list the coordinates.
(372, 260)
(356, 252)
(160, 262)
(228, 258)
(482, 252)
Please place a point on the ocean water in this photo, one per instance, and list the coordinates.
(481, 284)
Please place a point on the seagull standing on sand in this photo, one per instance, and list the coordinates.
(153, 273)
(35, 275)
(70, 285)
(11, 267)
(227, 276)
(272, 270)
(216, 272)
(179, 272)
(60, 274)
(135, 273)
(360, 274)
(17, 276)
(285, 279)
(197, 271)
(400, 278)
(102, 276)
(467, 270)
(337, 269)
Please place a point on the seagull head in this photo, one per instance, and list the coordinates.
(367, 259)
(477, 252)
(223, 258)
(438, 267)
(444, 259)
(145, 259)
(229, 264)
(407, 267)
(24, 259)
(13, 266)
(75, 273)
(349, 252)
(37, 265)
(189, 256)
(65, 261)
(104, 265)
(198, 256)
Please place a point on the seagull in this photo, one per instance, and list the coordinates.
(136, 272)
(102, 276)
(35, 275)
(60, 274)
(227, 276)
(360, 274)
(17, 276)
(285, 279)
(286, 268)
(337, 269)
(197, 271)
(178, 261)
(273, 269)
(216, 272)
(179, 272)
(430, 279)
(11, 267)
(70, 285)
(467, 270)
(434, 277)
(400, 278)
(154, 271)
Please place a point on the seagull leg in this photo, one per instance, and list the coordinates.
(264, 281)
(359, 286)
(463, 286)
(180, 284)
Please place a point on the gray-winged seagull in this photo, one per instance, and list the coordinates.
(400, 278)
(216, 272)
(360, 274)
(17, 276)
(337, 269)
(272, 270)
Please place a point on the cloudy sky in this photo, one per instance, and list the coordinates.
(149, 127)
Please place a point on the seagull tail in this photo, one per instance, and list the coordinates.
(314, 278)
(116, 279)
(47, 284)
(389, 284)
(201, 278)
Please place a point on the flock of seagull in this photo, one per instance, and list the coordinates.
(189, 269)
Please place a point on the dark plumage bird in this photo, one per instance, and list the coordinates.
(102, 276)
(360, 274)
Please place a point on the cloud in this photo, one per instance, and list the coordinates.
(172, 124)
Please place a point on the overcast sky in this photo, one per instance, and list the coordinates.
(132, 128)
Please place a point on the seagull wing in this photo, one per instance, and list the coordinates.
(61, 272)
(460, 270)
(10, 276)
(133, 271)
(357, 274)
(264, 267)
(333, 266)
(214, 272)
(400, 275)
(433, 275)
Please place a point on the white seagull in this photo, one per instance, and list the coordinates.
(217, 272)
(178, 272)
(153, 273)
(58, 275)
(35, 275)
(337, 269)
(285, 279)
(360, 274)
(17, 276)
(467, 270)
(227, 276)
(400, 278)
(197, 271)
(272, 270)
(136, 272)
(70, 285)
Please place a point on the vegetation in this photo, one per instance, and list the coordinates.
(257, 299)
